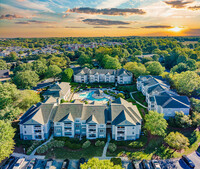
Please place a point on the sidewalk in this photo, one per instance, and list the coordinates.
(106, 147)
(34, 151)
(136, 100)
(28, 157)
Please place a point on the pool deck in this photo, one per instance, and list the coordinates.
(81, 98)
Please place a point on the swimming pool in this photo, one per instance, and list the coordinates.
(88, 95)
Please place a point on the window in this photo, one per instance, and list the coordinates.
(24, 126)
(25, 132)
(133, 132)
(101, 131)
(133, 128)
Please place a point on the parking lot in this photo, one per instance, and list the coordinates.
(73, 164)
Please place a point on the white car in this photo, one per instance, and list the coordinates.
(155, 164)
(19, 163)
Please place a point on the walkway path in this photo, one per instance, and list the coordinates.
(106, 147)
(136, 100)
(34, 151)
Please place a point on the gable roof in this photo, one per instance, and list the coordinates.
(156, 89)
(172, 101)
(40, 115)
(129, 109)
(58, 89)
(123, 72)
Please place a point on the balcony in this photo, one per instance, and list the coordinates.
(37, 128)
(68, 130)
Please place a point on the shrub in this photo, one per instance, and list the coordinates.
(72, 146)
(116, 161)
(33, 146)
(112, 147)
(120, 95)
(99, 143)
(86, 144)
(182, 120)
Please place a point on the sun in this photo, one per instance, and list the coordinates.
(176, 29)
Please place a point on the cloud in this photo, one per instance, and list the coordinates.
(101, 27)
(107, 11)
(10, 16)
(125, 27)
(192, 32)
(157, 26)
(33, 21)
(178, 3)
(194, 7)
(111, 3)
(74, 27)
(104, 22)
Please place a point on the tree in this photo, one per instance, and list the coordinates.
(196, 119)
(39, 67)
(83, 59)
(186, 82)
(112, 147)
(27, 98)
(53, 71)
(26, 79)
(137, 69)
(191, 64)
(67, 75)
(111, 63)
(177, 140)
(10, 113)
(100, 164)
(59, 61)
(182, 120)
(8, 94)
(195, 104)
(181, 67)
(6, 139)
(155, 123)
(155, 68)
(3, 65)
(120, 95)
(23, 67)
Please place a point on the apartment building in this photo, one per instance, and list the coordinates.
(86, 75)
(121, 119)
(161, 98)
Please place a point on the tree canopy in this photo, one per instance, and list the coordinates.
(100, 164)
(177, 140)
(6, 139)
(155, 123)
(26, 79)
(67, 75)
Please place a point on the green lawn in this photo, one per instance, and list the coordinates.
(61, 153)
(156, 147)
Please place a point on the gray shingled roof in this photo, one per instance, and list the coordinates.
(129, 109)
(39, 116)
(158, 88)
(172, 101)
(121, 72)
(58, 90)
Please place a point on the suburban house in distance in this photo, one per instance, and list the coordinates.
(160, 98)
(120, 118)
(86, 75)
(4, 75)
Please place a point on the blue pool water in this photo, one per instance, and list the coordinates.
(88, 96)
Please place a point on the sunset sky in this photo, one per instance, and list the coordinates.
(75, 18)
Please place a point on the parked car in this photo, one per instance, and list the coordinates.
(188, 161)
(31, 164)
(8, 162)
(145, 164)
(155, 164)
(65, 164)
(135, 164)
(49, 163)
(81, 161)
(19, 163)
